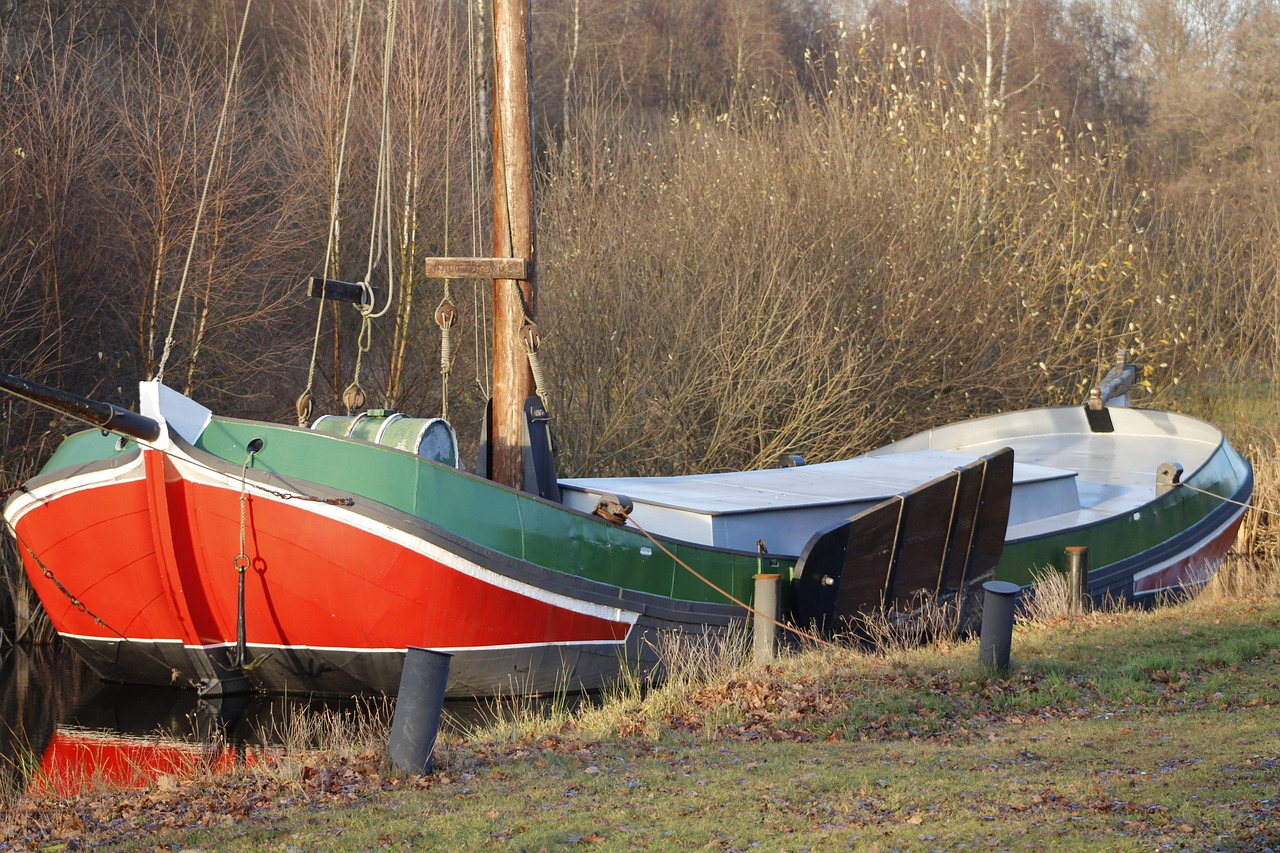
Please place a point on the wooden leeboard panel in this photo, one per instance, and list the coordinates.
(922, 542)
(963, 525)
(844, 569)
(993, 516)
(935, 538)
(868, 558)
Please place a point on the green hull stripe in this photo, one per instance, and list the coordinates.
(1118, 538)
(504, 520)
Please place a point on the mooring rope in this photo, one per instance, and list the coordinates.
(806, 635)
(1225, 500)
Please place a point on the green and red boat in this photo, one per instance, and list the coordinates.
(176, 546)
(227, 554)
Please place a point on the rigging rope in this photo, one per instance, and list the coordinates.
(382, 219)
(446, 315)
(304, 404)
(481, 331)
(204, 194)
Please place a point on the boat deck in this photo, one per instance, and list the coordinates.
(1114, 473)
(784, 507)
(1064, 476)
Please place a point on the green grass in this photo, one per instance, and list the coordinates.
(1117, 731)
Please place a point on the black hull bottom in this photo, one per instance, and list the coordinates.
(524, 670)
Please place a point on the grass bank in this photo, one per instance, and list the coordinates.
(1130, 730)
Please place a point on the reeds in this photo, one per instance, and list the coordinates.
(923, 620)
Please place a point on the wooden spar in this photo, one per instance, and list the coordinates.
(514, 301)
(104, 415)
(514, 268)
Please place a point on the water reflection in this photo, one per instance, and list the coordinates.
(62, 728)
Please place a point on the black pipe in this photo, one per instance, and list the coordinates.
(104, 415)
(419, 706)
(999, 600)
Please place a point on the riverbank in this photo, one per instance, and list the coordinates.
(1129, 730)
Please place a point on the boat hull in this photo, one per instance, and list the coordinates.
(253, 556)
(1144, 540)
(136, 559)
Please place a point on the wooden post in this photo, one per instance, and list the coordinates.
(764, 635)
(514, 301)
(1077, 577)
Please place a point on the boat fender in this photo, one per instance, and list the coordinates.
(1168, 477)
(614, 508)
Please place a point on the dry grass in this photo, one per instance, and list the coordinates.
(340, 732)
(926, 620)
(306, 733)
(20, 609)
(816, 280)
(1240, 579)
(1049, 598)
(687, 663)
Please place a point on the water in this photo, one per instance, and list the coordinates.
(61, 728)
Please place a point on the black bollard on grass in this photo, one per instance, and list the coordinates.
(419, 706)
(999, 600)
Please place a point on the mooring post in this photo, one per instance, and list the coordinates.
(419, 705)
(1077, 573)
(764, 634)
(999, 600)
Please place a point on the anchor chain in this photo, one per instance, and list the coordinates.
(81, 607)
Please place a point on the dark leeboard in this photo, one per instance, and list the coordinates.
(922, 546)
(844, 569)
(937, 537)
(963, 523)
(993, 516)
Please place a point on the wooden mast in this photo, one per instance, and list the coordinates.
(512, 266)
(514, 300)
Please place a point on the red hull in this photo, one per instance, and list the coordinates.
(1190, 570)
(152, 558)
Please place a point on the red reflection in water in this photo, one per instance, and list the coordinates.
(78, 759)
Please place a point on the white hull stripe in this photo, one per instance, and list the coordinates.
(24, 502)
(210, 647)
